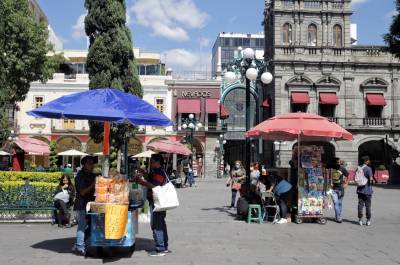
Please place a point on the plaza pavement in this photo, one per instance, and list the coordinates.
(203, 231)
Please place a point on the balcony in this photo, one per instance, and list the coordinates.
(374, 122)
(333, 119)
(212, 126)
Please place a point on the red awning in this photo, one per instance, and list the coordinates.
(189, 106)
(169, 147)
(328, 98)
(266, 103)
(212, 105)
(223, 113)
(376, 100)
(33, 146)
(300, 98)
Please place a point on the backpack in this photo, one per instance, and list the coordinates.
(360, 178)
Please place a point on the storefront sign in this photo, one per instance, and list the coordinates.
(196, 94)
(115, 221)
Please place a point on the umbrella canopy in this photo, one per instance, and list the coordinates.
(145, 154)
(306, 126)
(72, 152)
(171, 147)
(106, 104)
(3, 153)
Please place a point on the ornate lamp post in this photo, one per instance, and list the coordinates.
(191, 124)
(220, 141)
(249, 69)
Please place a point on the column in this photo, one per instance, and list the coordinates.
(350, 101)
(395, 102)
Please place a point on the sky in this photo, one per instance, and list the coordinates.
(184, 31)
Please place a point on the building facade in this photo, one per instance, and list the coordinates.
(317, 69)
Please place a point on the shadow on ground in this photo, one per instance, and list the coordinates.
(225, 210)
(108, 254)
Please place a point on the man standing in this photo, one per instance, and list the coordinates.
(85, 186)
(339, 180)
(365, 192)
(157, 177)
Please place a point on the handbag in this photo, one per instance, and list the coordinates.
(165, 197)
(236, 186)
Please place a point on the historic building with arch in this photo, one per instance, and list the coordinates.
(318, 69)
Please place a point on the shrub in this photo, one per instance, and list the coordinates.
(46, 177)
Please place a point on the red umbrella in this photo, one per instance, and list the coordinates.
(296, 126)
(171, 147)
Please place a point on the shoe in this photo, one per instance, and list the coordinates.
(360, 222)
(157, 254)
(368, 222)
(166, 251)
(282, 221)
(79, 252)
(339, 220)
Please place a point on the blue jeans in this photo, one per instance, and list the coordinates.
(190, 178)
(80, 233)
(337, 197)
(233, 201)
(159, 227)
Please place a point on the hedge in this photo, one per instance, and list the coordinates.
(6, 185)
(47, 177)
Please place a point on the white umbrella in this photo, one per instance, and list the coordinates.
(145, 154)
(72, 153)
(98, 154)
(3, 153)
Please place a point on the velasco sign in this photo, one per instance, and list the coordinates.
(196, 94)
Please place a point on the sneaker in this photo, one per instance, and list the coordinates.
(282, 221)
(360, 222)
(157, 254)
(368, 222)
(166, 251)
(79, 252)
(339, 220)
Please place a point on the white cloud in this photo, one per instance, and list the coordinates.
(357, 2)
(186, 60)
(78, 29)
(169, 18)
(389, 15)
(204, 42)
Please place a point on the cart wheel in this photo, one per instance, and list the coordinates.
(322, 221)
(132, 248)
(299, 220)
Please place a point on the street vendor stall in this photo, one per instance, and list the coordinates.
(114, 215)
(312, 179)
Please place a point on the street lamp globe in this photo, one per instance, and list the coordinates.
(248, 53)
(191, 116)
(199, 125)
(191, 125)
(230, 77)
(266, 78)
(184, 126)
(221, 136)
(224, 141)
(252, 74)
(9, 138)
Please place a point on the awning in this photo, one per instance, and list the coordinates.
(266, 103)
(300, 98)
(33, 146)
(223, 113)
(189, 106)
(376, 100)
(212, 105)
(328, 98)
(169, 147)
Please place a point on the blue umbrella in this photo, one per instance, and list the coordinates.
(106, 104)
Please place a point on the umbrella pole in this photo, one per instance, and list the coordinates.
(298, 153)
(106, 148)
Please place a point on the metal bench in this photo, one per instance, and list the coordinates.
(26, 198)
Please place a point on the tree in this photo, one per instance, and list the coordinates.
(23, 49)
(392, 38)
(110, 61)
(53, 156)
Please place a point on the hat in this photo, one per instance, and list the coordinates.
(86, 158)
(69, 165)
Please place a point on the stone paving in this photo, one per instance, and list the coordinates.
(204, 231)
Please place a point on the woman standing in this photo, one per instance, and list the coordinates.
(237, 176)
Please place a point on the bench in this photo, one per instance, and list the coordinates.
(26, 198)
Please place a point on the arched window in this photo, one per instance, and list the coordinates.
(287, 34)
(337, 36)
(312, 35)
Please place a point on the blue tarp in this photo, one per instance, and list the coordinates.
(107, 104)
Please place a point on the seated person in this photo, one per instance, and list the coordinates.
(64, 199)
(282, 190)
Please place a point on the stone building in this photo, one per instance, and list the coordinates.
(318, 70)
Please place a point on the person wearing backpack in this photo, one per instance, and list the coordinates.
(363, 179)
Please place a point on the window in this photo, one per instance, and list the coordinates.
(337, 36)
(374, 111)
(151, 69)
(212, 121)
(260, 42)
(246, 42)
(326, 110)
(312, 35)
(226, 42)
(69, 124)
(299, 107)
(160, 104)
(287, 34)
(38, 101)
(237, 42)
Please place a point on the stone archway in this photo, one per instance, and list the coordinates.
(67, 143)
(379, 152)
(92, 147)
(134, 146)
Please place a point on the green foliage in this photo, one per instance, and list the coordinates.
(381, 167)
(392, 38)
(52, 177)
(53, 155)
(110, 61)
(13, 185)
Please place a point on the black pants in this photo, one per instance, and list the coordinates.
(283, 199)
(62, 213)
(364, 199)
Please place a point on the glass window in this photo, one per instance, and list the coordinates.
(287, 34)
(226, 42)
(69, 124)
(246, 42)
(299, 107)
(80, 68)
(38, 101)
(327, 110)
(141, 69)
(374, 111)
(312, 35)
(212, 121)
(160, 104)
(237, 42)
(260, 42)
(337, 36)
(153, 69)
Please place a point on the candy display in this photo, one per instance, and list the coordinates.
(114, 189)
